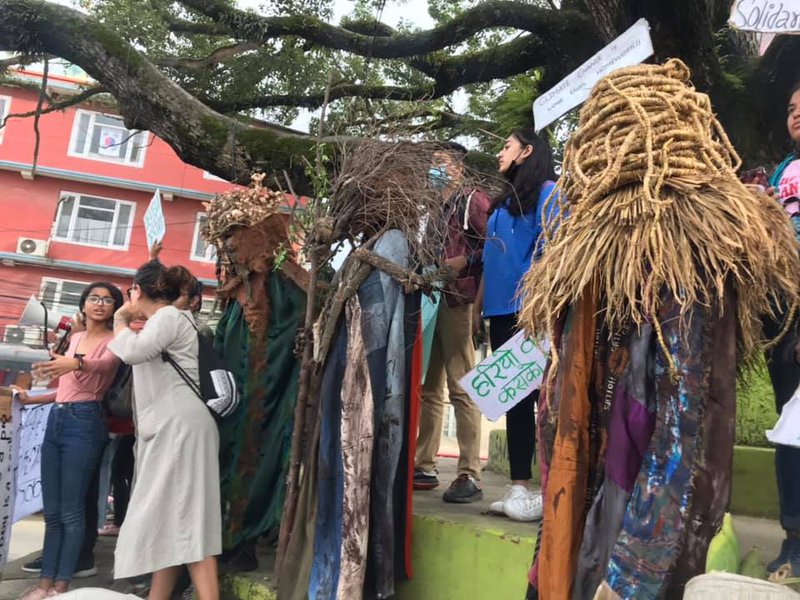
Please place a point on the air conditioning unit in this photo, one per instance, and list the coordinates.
(31, 247)
(14, 335)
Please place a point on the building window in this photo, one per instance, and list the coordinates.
(100, 222)
(202, 250)
(60, 295)
(5, 105)
(104, 137)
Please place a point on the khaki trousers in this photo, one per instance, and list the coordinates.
(452, 357)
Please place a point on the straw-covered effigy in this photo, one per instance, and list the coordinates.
(653, 205)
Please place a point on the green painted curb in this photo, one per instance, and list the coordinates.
(453, 561)
(754, 489)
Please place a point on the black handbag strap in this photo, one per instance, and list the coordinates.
(184, 375)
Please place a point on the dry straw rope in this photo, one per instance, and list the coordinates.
(654, 206)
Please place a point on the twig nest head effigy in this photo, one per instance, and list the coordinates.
(650, 204)
(244, 207)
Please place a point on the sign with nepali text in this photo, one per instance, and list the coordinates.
(29, 431)
(507, 376)
(629, 49)
(766, 16)
(154, 224)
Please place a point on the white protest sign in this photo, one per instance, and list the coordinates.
(766, 16)
(29, 430)
(6, 483)
(503, 379)
(787, 430)
(631, 48)
(154, 224)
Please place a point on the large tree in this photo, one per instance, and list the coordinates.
(215, 81)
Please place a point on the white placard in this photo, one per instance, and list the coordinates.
(787, 429)
(29, 430)
(766, 16)
(7, 455)
(631, 48)
(154, 224)
(503, 379)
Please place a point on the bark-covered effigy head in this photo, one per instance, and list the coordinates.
(250, 234)
(651, 204)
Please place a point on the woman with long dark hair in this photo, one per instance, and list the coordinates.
(174, 515)
(75, 435)
(514, 241)
(783, 367)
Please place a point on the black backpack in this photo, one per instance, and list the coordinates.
(217, 385)
(118, 398)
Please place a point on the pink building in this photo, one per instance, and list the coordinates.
(79, 217)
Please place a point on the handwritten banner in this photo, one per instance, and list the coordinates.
(30, 428)
(507, 376)
(766, 16)
(7, 454)
(631, 48)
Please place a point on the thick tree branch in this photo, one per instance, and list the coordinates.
(491, 14)
(146, 98)
(449, 74)
(191, 27)
(220, 55)
(372, 92)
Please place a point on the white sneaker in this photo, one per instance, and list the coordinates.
(527, 507)
(512, 491)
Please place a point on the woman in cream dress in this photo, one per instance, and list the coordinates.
(174, 517)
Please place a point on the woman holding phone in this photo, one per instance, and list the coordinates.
(75, 434)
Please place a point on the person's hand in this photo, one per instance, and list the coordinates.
(771, 192)
(477, 319)
(126, 313)
(457, 263)
(60, 365)
(22, 395)
(156, 249)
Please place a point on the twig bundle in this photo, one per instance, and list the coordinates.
(381, 186)
(240, 208)
(650, 203)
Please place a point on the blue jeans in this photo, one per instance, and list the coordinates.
(71, 450)
(105, 480)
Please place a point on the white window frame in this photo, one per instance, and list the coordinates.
(77, 195)
(85, 154)
(5, 109)
(196, 237)
(57, 305)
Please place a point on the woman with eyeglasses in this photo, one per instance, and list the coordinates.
(75, 435)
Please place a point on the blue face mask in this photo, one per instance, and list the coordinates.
(438, 177)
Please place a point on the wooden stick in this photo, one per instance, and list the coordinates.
(301, 409)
